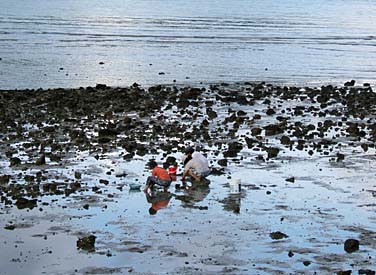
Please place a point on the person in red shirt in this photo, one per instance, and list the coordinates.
(159, 176)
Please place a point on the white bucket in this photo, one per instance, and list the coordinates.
(235, 186)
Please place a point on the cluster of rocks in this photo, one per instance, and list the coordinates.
(48, 126)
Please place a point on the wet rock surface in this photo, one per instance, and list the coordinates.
(69, 156)
(86, 243)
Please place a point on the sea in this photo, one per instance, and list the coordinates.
(79, 43)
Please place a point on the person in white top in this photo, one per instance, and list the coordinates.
(195, 165)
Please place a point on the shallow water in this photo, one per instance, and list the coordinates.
(318, 213)
(62, 43)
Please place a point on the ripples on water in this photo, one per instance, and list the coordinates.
(61, 43)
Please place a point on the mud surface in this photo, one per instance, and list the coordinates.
(71, 162)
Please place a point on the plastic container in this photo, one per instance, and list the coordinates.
(172, 170)
(235, 186)
(134, 186)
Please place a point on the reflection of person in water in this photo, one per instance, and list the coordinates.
(193, 194)
(158, 200)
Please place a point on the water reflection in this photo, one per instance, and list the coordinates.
(232, 203)
(158, 200)
(193, 193)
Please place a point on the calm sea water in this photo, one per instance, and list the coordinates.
(72, 43)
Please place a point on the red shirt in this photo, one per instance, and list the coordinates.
(160, 173)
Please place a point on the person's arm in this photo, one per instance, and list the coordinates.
(184, 174)
(186, 170)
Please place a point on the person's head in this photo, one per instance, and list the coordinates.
(189, 150)
(152, 164)
(152, 211)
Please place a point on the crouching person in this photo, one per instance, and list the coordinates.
(159, 176)
(195, 165)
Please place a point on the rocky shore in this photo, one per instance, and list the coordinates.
(48, 136)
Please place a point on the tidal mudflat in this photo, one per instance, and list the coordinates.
(305, 157)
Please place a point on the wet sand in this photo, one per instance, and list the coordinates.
(305, 158)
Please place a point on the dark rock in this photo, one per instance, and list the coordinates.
(250, 142)
(270, 112)
(23, 203)
(75, 186)
(9, 227)
(233, 149)
(306, 263)
(291, 254)
(41, 160)
(241, 113)
(15, 161)
(278, 235)
(340, 157)
(101, 86)
(292, 179)
(351, 245)
(256, 131)
(353, 129)
(366, 272)
(349, 83)
(211, 114)
(108, 132)
(29, 178)
(105, 182)
(345, 272)
(86, 243)
(364, 147)
(4, 179)
(217, 172)
(273, 129)
(222, 162)
(77, 175)
(272, 152)
(285, 140)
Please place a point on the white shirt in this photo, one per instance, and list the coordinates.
(198, 162)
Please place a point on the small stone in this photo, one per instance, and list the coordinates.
(306, 263)
(15, 161)
(9, 227)
(278, 235)
(222, 162)
(340, 157)
(77, 175)
(86, 243)
(351, 245)
(41, 160)
(291, 179)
